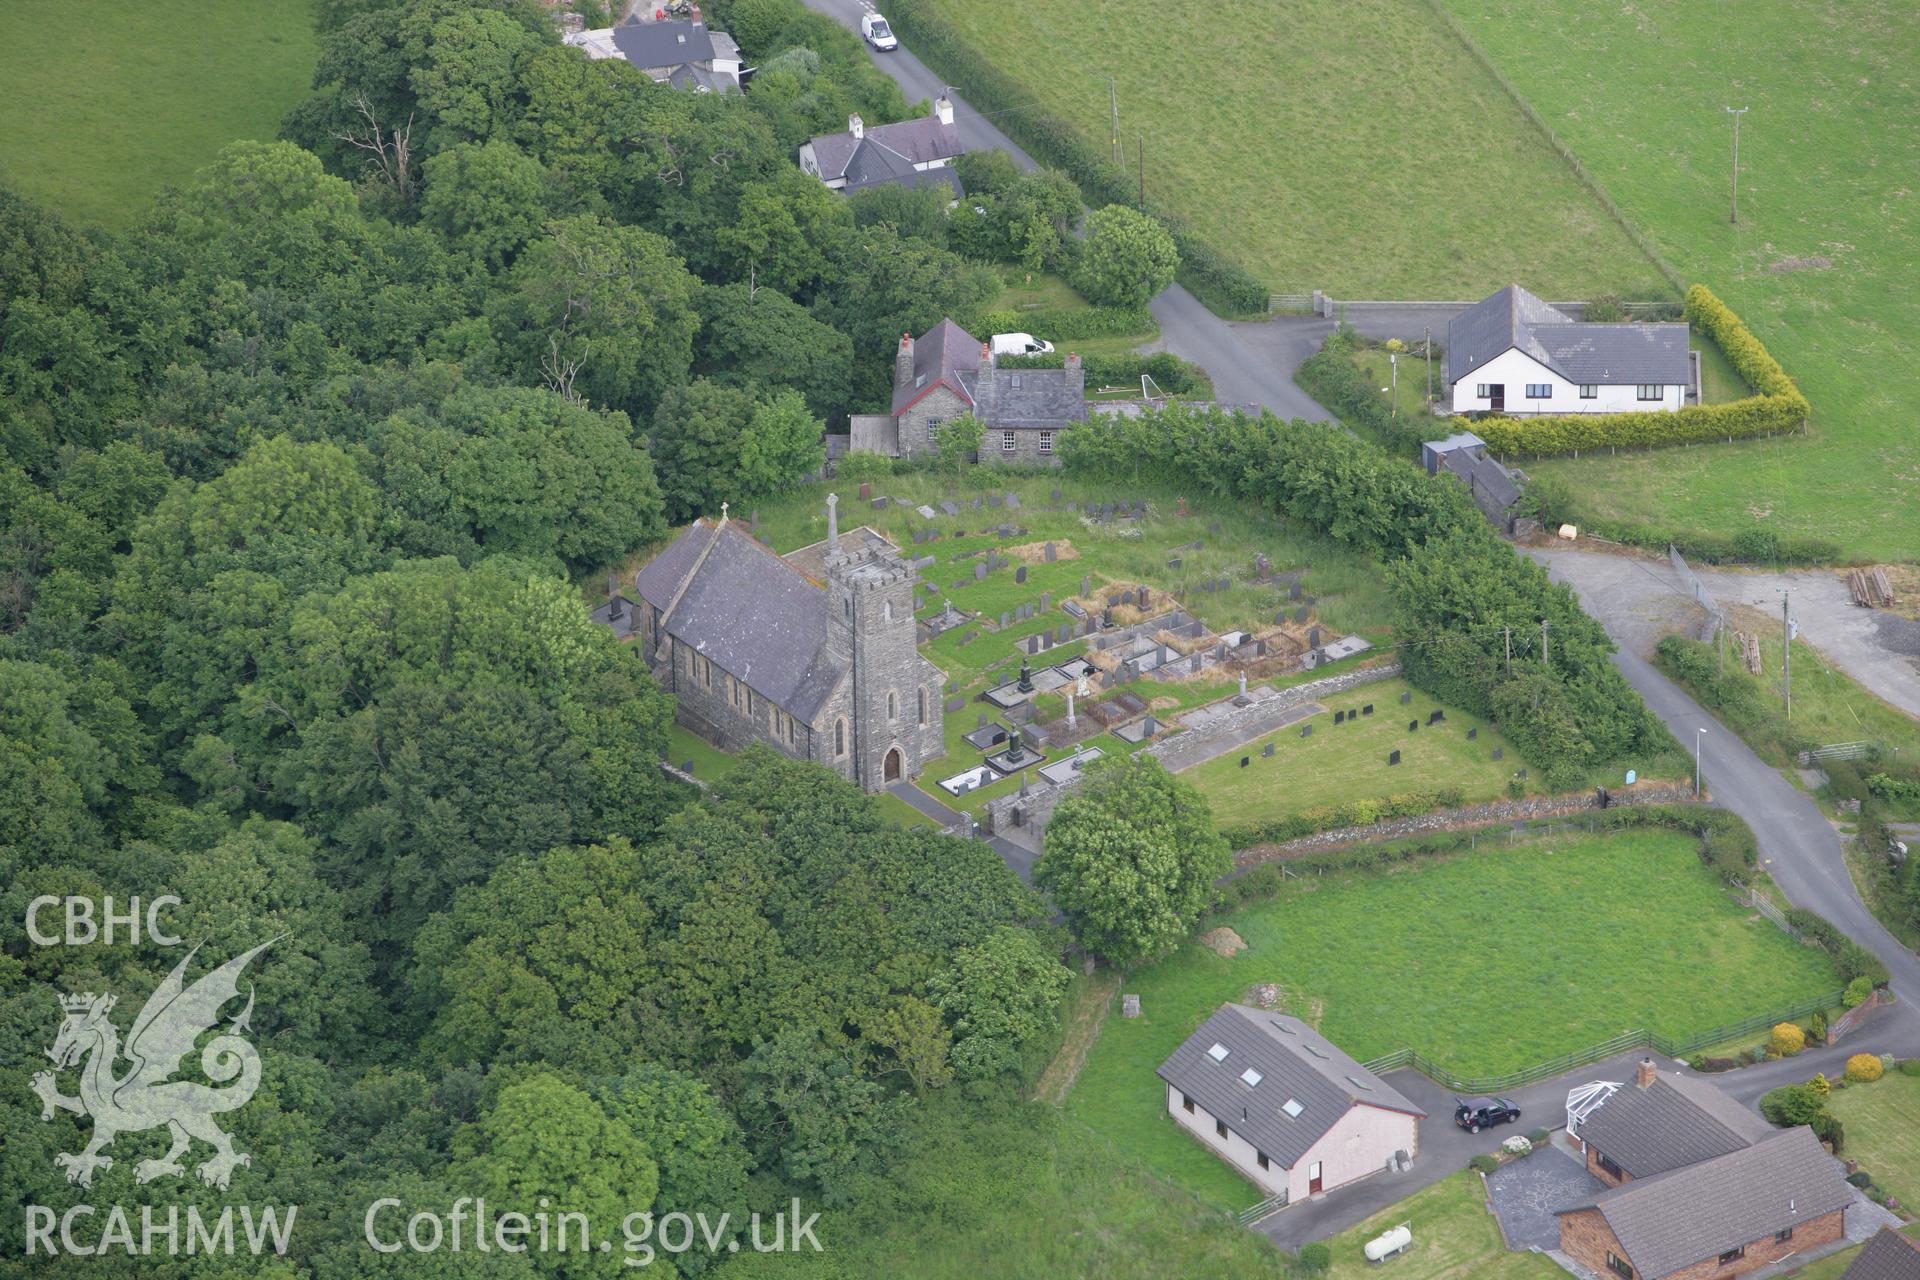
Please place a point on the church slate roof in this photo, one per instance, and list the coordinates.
(1583, 354)
(747, 611)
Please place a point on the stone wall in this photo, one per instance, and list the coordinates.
(1026, 447)
(1479, 815)
(1234, 723)
(917, 423)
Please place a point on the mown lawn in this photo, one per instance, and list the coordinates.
(1882, 1120)
(1454, 1238)
(1349, 145)
(101, 110)
(985, 1185)
(1344, 762)
(1487, 961)
(1834, 1266)
(1820, 265)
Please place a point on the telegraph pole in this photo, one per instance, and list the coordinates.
(1113, 108)
(1786, 653)
(1736, 113)
(1143, 172)
(1509, 634)
(1544, 624)
(1430, 378)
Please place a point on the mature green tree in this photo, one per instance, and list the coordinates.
(782, 443)
(807, 1104)
(1126, 258)
(695, 1142)
(1131, 859)
(916, 213)
(958, 442)
(755, 336)
(699, 433)
(915, 1034)
(488, 199)
(1000, 993)
(783, 232)
(600, 311)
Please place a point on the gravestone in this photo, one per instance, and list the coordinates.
(1220, 652)
(1436, 717)
(1313, 638)
(1293, 592)
(1499, 753)
(1046, 601)
(924, 512)
(1126, 597)
(1146, 596)
(1033, 644)
(1300, 615)
(1472, 734)
(1050, 552)
(1394, 758)
(1056, 495)
(1306, 730)
(1020, 574)
(919, 536)
(956, 704)
(687, 766)
(1406, 697)
(1004, 619)
(1086, 586)
(1243, 762)
(974, 502)
(1367, 710)
(979, 571)
(925, 562)
(866, 490)
(1194, 666)
(1413, 726)
(953, 686)
(1522, 774)
(983, 721)
(966, 637)
(1279, 618)
(919, 602)
(1267, 751)
(993, 500)
(1173, 562)
(949, 506)
(1129, 1006)
(1339, 717)
(878, 504)
(1065, 633)
(1013, 502)
(1088, 625)
(1073, 506)
(1213, 526)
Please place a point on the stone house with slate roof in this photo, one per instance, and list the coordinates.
(684, 54)
(826, 668)
(1514, 354)
(1274, 1099)
(947, 373)
(917, 152)
(1888, 1256)
(1697, 1185)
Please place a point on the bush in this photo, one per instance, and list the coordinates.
(1355, 813)
(1787, 1039)
(1849, 957)
(1517, 1146)
(1485, 1163)
(1063, 324)
(1175, 376)
(1865, 1068)
(1332, 378)
(1778, 407)
(1817, 1028)
(1125, 258)
(1910, 1066)
(1316, 1256)
(1860, 1178)
(1857, 992)
(1538, 1136)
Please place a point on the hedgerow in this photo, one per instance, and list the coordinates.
(1355, 813)
(1058, 323)
(1777, 408)
(1173, 375)
(1222, 284)
(1332, 378)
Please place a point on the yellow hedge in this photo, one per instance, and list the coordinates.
(1778, 408)
(1787, 1039)
(1865, 1068)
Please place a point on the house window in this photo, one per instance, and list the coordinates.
(1733, 1255)
(1220, 1128)
(1186, 1104)
(839, 737)
(1607, 1164)
(1618, 1265)
(1590, 393)
(893, 706)
(1260, 1158)
(922, 696)
(1650, 393)
(1006, 442)
(1046, 444)
(1484, 391)
(1784, 1235)
(1539, 391)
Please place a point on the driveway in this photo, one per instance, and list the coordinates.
(1526, 1194)
(1243, 373)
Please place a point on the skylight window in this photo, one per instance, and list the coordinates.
(1316, 1051)
(1358, 1083)
(1251, 1076)
(1281, 1027)
(1218, 1053)
(1293, 1108)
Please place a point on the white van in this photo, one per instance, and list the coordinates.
(1019, 344)
(877, 32)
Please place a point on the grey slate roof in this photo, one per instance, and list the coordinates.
(1032, 399)
(1675, 1121)
(877, 166)
(941, 354)
(919, 141)
(1888, 1256)
(1294, 1062)
(663, 44)
(1483, 476)
(1675, 1219)
(1584, 354)
(749, 612)
(700, 79)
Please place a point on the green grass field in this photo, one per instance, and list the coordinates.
(1820, 265)
(1349, 761)
(1488, 962)
(1834, 1266)
(1882, 1120)
(1454, 1238)
(100, 113)
(1349, 145)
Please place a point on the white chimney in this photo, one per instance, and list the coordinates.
(856, 126)
(943, 109)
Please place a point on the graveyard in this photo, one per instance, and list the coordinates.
(1378, 961)
(1378, 740)
(1122, 611)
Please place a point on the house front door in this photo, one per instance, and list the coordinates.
(1313, 1179)
(1497, 397)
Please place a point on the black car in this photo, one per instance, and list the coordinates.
(1475, 1114)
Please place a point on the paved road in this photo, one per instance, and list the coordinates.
(1799, 847)
(1243, 373)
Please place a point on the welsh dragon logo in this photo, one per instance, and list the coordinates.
(144, 1097)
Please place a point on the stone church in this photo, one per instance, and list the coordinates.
(813, 653)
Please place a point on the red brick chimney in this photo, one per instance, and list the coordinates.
(903, 362)
(1645, 1074)
(986, 355)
